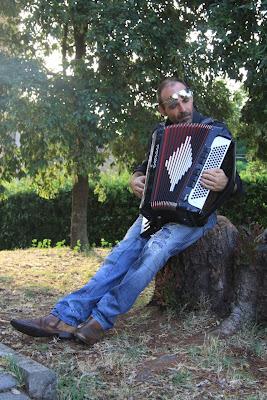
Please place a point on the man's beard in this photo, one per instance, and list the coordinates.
(184, 118)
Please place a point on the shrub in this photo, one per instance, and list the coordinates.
(251, 207)
(24, 216)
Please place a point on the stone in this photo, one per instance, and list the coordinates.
(12, 396)
(7, 382)
(40, 382)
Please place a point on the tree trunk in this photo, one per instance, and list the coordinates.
(79, 212)
(262, 279)
(80, 188)
(210, 271)
(64, 46)
(250, 300)
(202, 272)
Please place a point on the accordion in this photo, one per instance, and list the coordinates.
(178, 156)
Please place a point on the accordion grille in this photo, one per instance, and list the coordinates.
(214, 161)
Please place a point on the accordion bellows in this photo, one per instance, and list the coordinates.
(179, 155)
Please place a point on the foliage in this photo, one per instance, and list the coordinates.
(251, 207)
(28, 220)
(243, 45)
(111, 183)
(254, 171)
(65, 117)
(113, 57)
(44, 244)
(241, 165)
(16, 186)
(26, 216)
(211, 98)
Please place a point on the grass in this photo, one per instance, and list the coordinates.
(150, 354)
(182, 378)
(10, 365)
(5, 279)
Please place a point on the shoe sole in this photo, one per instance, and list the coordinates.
(36, 332)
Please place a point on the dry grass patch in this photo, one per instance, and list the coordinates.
(151, 354)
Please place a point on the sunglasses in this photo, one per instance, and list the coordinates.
(183, 95)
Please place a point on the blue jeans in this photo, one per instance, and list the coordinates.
(125, 272)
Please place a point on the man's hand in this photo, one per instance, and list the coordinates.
(214, 179)
(137, 184)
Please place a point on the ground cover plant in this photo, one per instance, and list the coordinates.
(151, 354)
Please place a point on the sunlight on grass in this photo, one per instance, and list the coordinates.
(60, 269)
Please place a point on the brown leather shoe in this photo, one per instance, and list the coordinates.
(47, 326)
(89, 332)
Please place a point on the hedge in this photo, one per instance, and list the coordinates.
(251, 207)
(25, 216)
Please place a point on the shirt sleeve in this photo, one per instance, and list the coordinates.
(141, 167)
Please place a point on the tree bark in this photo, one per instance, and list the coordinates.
(64, 46)
(80, 189)
(250, 286)
(79, 212)
(262, 279)
(202, 272)
(213, 271)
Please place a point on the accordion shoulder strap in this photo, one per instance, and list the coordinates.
(211, 121)
(208, 121)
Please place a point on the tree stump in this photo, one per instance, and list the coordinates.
(250, 287)
(261, 264)
(229, 274)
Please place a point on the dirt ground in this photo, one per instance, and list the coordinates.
(151, 354)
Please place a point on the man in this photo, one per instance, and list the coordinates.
(87, 313)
